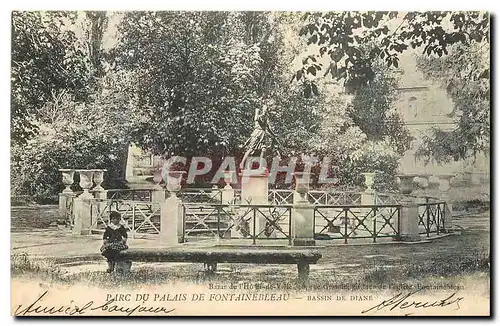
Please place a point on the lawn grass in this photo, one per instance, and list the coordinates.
(440, 271)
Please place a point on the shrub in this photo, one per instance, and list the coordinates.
(79, 140)
(378, 157)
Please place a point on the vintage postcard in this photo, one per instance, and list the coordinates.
(244, 163)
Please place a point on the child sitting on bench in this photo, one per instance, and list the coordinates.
(114, 240)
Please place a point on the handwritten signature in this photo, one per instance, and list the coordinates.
(402, 301)
(76, 310)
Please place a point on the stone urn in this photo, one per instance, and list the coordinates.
(433, 182)
(174, 179)
(86, 181)
(369, 176)
(99, 178)
(423, 182)
(67, 179)
(406, 183)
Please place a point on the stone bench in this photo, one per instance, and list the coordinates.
(211, 256)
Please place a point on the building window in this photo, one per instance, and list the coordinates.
(412, 106)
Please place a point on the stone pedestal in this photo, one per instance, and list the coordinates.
(254, 187)
(100, 194)
(296, 197)
(303, 224)
(65, 212)
(302, 231)
(228, 191)
(171, 219)
(367, 197)
(129, 169)
(63, 205)
(409, 221)
(254, 191)
(158, 193)
(82, 212)
(77, 218)
(157, 196)
(171, 222)
(101, 197)
(227, 194)
(83, 204)
(67, 193)
(227, 197)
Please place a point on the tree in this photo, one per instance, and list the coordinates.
(76, 127)
(186, 93)
(464, 74)
(372, 110)
(340, 37)
(199, 76)
(94, 26)
(364, 132)
(47, 60)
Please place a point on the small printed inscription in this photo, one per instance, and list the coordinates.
(323, 297)
(360, 297)
(319, 298)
